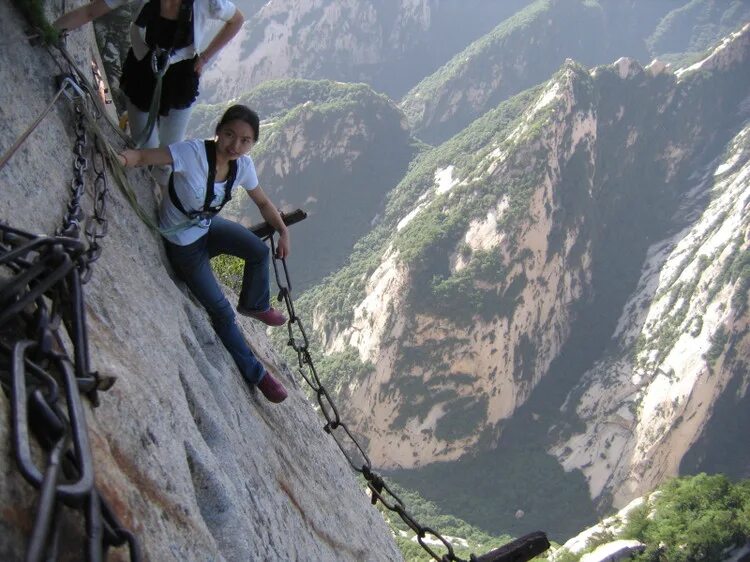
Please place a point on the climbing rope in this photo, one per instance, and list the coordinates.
(42, 308)
(520, 550)
(66, 85)
(71, 68)
(159, 66)
(110, 155)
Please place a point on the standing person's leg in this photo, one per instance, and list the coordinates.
(228, 237)
(192, 265)
(137, 120)
(172, 127)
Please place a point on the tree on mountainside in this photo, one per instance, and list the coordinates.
(693, 519)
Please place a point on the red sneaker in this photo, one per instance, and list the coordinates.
(272, 317)
(272, 389)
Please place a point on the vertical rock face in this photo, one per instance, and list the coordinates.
(431, 362)
(193, 462)
(683, 335)
(585, 244)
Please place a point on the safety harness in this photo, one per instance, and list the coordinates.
(160, 56)
(207, 211)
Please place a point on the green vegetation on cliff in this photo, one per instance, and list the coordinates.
(275, 98)
(687, 31)
(688, 519)
(33, 10)
(693, 519)
(438, 223)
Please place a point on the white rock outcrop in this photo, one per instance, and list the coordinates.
(646, 405)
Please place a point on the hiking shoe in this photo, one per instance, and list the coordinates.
(272, 317)
(272, 389)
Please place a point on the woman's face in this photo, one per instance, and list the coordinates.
(235, 139)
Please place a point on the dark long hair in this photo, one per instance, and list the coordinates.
(241, 113)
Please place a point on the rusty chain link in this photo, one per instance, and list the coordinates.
(97, 224)
(71, 226)
(42, 310)
(520, 550)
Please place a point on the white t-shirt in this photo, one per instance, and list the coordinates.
(203, 11)
(190, 168)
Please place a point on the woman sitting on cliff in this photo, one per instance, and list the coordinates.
(204, 174)
(164, 35)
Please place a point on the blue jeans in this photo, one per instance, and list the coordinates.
(191, 263)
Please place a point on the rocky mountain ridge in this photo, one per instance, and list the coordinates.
(528, 47)
(482, 362)
(465, 309)
(683, 337)
(386, 45)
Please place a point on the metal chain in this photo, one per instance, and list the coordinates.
(41, 295)
(71, 225)
(520, 550)
(359, 461)
(97, 224)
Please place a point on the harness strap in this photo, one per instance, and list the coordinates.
(207, 211)
(160, 57)
(210, 147)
